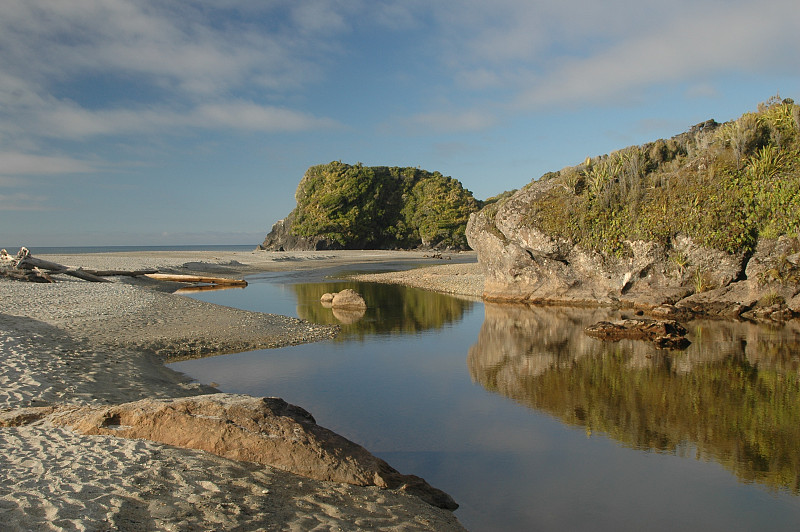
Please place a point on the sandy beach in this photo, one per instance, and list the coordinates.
(79, 343)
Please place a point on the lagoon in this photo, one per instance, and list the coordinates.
(531, 425)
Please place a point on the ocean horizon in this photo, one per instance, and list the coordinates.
(72, 250)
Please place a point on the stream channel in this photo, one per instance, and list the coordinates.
(532, 425)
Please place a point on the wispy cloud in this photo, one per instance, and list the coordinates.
(17, 164)
(22, 202)
(537, 55)
(198, 69)
(455, 121)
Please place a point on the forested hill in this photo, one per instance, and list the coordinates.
(342, 206)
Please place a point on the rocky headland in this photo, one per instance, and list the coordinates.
(342, 206)
(704, 223)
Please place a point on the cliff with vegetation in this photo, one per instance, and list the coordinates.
(342, 206)
(707, 220)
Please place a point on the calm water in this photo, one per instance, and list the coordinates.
(531, 425)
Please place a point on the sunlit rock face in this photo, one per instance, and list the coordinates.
(732, 396)
(523, 263)
(266, 431)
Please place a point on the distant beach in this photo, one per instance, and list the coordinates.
(75, 342)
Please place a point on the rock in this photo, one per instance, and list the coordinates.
(348, 316)
(281, 238)
(24, 416)
(666, 334)
(342, 206)
(326, 298)
(267, 431)
(348, 299)
(522, 263)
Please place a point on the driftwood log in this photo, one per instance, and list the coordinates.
(181, 278)
(25, 267)
(29, 263)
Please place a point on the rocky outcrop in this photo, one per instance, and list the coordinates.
(348, 299)
(281, 238)
(665, 334)
(342, 206)
(522, 263)
(266, 431)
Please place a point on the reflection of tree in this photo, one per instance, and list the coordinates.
(733, 396)
(390, 308)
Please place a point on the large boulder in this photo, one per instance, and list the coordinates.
(348, 299)
(266, 431)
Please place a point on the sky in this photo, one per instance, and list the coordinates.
(144, 122)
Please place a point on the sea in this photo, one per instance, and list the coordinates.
(73, 250)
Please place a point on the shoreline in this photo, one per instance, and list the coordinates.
(74, 342)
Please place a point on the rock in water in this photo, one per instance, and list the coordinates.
(666, 334)
(266, 431)
(327, 298)
(348, 299)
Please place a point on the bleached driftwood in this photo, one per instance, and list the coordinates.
(125, 273)
(25, 267)
(181, 278)
(29, 263)
(9, 270)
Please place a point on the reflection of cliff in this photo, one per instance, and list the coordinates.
(390, 308)
(733, 396)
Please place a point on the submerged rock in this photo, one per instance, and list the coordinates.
(666, 334)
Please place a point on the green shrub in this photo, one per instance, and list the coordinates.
(724, 185)
(358, 206)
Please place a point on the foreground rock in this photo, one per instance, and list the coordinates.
(266, 431)
(666, 334)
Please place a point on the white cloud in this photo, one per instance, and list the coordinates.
(66, 120)
(186, 60)
(249, 116)
(16, 164)
(556, 53)
(444, 122)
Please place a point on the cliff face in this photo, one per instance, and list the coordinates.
(341, 206)
(521, 263)
(281, 238)
(706, 221)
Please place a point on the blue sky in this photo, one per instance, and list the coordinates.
(144, 122)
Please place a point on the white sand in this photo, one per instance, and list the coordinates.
(88, 343)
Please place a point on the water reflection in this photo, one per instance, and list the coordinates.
(390, 309)
(733, 396)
